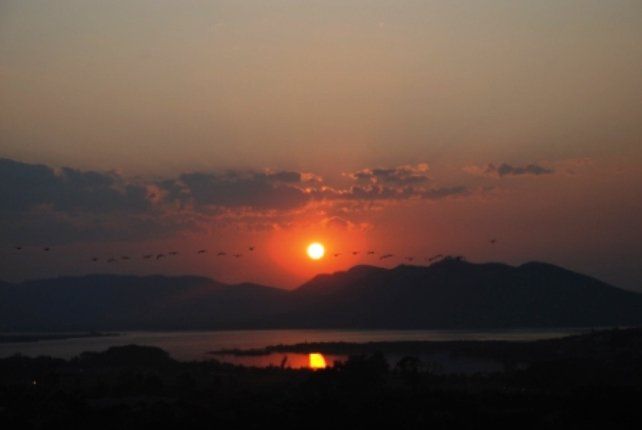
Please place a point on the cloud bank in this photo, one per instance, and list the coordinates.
(43, 204)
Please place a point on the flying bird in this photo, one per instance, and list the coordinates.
(18, 248)
(173, 253)
(384, 256)
(355, 252)
(46, 248)
(147, 256)
(493, 241)
(201, 251)
(337, 254)
(94, 259)
(251, 248)
(159, 256)
(238, 255)
(371, 252)
(222, 253)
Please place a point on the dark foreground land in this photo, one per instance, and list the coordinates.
(586, 381)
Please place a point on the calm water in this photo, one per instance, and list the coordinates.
(194, 345)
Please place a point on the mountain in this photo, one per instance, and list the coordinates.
(451, 293)
(116, 302)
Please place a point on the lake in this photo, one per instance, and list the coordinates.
(195, 345)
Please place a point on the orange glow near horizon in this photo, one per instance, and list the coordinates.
(315, 251)
(317, 361)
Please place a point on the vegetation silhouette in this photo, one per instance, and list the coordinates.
(589, 381)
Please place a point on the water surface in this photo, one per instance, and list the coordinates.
(195, 345)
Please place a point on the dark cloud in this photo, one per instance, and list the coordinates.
(401, 175)
(232, 189)
(382, 193)
(505, 169)
(28, 186)
(46, 205)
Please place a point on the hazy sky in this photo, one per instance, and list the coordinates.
(409, 127)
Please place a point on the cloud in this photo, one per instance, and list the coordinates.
(232, 189)
(28, 186)
(47, 205)
(401, 175)
(505, 169)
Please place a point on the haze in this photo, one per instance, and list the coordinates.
(405, 127)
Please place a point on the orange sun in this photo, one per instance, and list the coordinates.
(316, 250)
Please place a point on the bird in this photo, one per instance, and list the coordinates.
(251, 248)
(221, 253)
(173, 253)
(238, 255)
(337, 254)
(371, 252)
(18, 248)
(147, 256)
(46, 248)
(383, 257)
(159, 256)
(94, 259)
(355, 252)
(201, 251)
(493, 241)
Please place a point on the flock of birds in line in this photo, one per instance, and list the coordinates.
(251, 249)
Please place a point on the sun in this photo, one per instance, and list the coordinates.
(316, 361)
(316, 250)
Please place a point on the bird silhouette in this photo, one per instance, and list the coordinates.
(251, 248)
(493, 241)
(173, 253)
(385, 256)
(238, 255)
(222, 253)
(201, 251)
(94, 259)
(147, 256)
(159, 256)
(371, 252)
(337, 254)
(18, 248)
(355, 252)
(46, 248)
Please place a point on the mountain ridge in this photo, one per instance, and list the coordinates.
(450, 293)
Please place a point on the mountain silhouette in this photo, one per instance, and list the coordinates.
(451, 293)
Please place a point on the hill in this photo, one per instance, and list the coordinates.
(448, 294)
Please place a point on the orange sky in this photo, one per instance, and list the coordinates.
(408, 127)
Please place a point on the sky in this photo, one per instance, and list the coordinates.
(412, 128)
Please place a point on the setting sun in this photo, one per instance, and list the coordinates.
(317, 361)
(316, 251)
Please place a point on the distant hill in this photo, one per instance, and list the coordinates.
(451, 293)
(116, 302)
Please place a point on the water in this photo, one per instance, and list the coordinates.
(195, 345)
